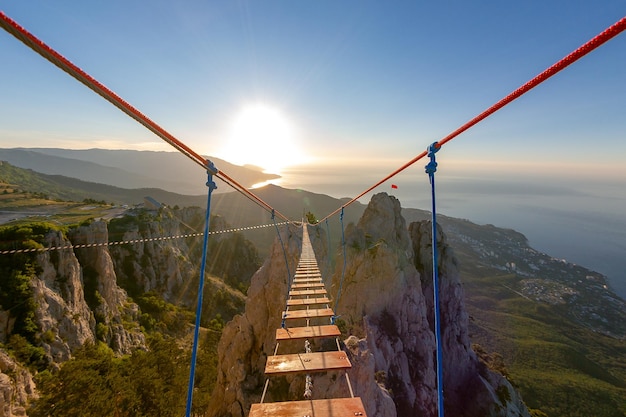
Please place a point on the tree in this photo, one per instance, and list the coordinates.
(311, 218)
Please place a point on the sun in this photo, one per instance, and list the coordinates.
(262, 135)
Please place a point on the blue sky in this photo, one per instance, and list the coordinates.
(371, 81)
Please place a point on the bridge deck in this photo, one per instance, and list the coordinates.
(337, 407)
(307, 362)
(309, 332)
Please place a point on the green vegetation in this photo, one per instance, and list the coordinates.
(32, 207)
(146, 383)
(560, 367)
(16, 294)
(230, 256)
(161, 316)
(95, 381)
(25, 352)
(38, 185)
(310, 217)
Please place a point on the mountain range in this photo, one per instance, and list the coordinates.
(170, 171)
(555, 329)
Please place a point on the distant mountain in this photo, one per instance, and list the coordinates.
(58, 187)
(170, 171)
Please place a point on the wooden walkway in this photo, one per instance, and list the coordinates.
(308, 310)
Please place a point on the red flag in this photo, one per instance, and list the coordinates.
(394, 186)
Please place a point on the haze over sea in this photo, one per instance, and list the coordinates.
(583, 222)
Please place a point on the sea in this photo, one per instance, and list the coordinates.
(582, 222)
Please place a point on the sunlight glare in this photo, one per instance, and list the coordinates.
(261, 135)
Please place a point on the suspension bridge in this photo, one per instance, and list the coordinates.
(307, 303)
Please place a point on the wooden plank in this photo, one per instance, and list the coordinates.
(307, 301)
(311, 285)
(294, 293)
(308, 314)
(309, 332)
(335, 407)
(307, 362)
(307, 281)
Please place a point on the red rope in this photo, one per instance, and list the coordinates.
(594, 43)
(600, 39)
(60, 61)
(38, 46)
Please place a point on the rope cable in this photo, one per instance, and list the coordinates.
(343, 270)
(282, 245)
(133, 241)
(211, 186)
(74, 71)
(431, 168)
(328, 263)
(583, 50)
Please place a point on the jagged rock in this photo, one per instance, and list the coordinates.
(154, 265)
(62, 313)
(110, 303)
(386, 306)
(470, 388)
(382, 302)
(17, 388)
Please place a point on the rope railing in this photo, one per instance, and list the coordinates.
(64, 64)
(134, 241)
(586, 48)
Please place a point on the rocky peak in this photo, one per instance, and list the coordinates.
(384, 305)
(62, 313)
(116, 316)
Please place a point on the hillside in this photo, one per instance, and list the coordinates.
(555, 328)
(128, 169)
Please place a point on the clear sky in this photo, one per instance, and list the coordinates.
(372, 81)
(355, 89)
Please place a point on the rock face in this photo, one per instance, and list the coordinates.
(62, 312)
(115, 315)
(153, 265)
(385, 307)
(81, 292)
(16, 387)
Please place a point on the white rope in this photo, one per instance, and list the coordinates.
(308, 386)
(128, 242)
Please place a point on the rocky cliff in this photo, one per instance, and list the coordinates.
(17, 388)
(75, 300)
(84, 292)
(385, 307)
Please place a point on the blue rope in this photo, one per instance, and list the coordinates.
(343, 271)
(212, 186)
(431, 168)
(282, 323)
(328, 255)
